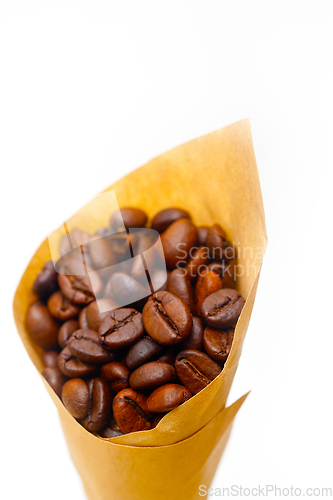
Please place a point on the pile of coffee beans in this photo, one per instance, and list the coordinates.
(121, 370)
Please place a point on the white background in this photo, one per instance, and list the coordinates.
(90, 91)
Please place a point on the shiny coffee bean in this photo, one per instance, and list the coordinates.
(66, 330)
(227, 270)
(177, 241)
(94, 316)
(75, 239)
(217, 343)
(216, 242)
(124, 289)
(152, 375)
(99, 405)
(168, 356)
(40, 325)
(198, 263)
(166, 217)
(85, 345)
(130, 411)
(143, 351)
(61, 308)
(207, 283)
(222, 309)
(159, 280)
(101, 253)
(75, 396)
(121, 245)
(80, 289)
(82, 319)
(166, 318)
(121, 328)
(50, 359)
(146, 240)
(195, 369)
(202, 235)
(117, 375)
(128, 217)
(55, 378)
(167, 397)
(73, 367)
(179, 284)
(194, 340)
(112, 430)
(47, 281)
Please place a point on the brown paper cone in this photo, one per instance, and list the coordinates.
(215, 178)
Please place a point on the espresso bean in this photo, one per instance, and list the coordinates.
(117, 375)
(207, 283)
(128, 217)
(50, 359)
(169, 356)
(121, 245)
(159, 280)
(177, 241)
(143, 351)
(167, 397)
(40, 325)
(218, 343)
(61, 308)
(227, 270)
(194, 340)
(202, 235)
(166, 217)
(125, 290)
(82, 319)
(130, 411)
(66, 331)
(101, 253)
(195, 369)
(166, 318)
(222, 309)
(121, 328)
(179, 284)
(99, 405)
(73, 367)
(94, 316)
(197, 263)
(152, 375)
(216, 242)
(112, 430)
(75, 239)
(157, 419)
(146, 240)
(75, 396)
(85, 345)
(80, 289)
(55, 378)
(47, 281)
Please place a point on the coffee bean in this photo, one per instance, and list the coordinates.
(94, 316)
(227, 270)
(55, 378)
(159, 280)
(179, 284)
(112, 430)
(85, 345)
(167, 397)
(80, 289)
(207, 284)
(166, 318)
(117, 375)
(40, 325)
(157, 419)
(47, 281)
(75, 396)
(121, 245)
(146, 240)
(82, 319)
(125, 290)
(121, 328)
(169, 356)
(66, 331)
(152, 375)
(177, 241)
(166, 217)
(218, 343)
(101, 253)
(202, 235)
(197, 263)
(222, 309)
(195, 369)
(50, 359)
(99, 405)
(130, 411)
(128, 217)
(194, 340)
(61, 308)
(73, 367)
(216, 242)
(75, 239)
(143, 351)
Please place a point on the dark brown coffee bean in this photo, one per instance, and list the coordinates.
(125, 290)
(195, 369)
(75, 396)
(179, 284)
(130, 411)
(85, 345)
(99, 405)
(222, 309)
(55, 378)
(207, 283)
(112, 430)
(177, 241)
(75, 239)
(101, 253)
(227, 270)
(128, 217)
(143, 351)
(167, 397)
(152, 375)
(168, 356)
(82, 319)
(198, 262)
(202, 235)
(40, 325)
(194, 340)
(50, 359)
(47, 281)
(94, 316)
(218, 343)
(146, 240)
(61, 308)
(159, 280)
(66, 331)
(122, 245)
(218, 245)
(121, 328)
(157, 419)
(117, 375)
(80, 289)
(73, 367)
(166, 217)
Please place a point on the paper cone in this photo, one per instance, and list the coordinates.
(215, 178)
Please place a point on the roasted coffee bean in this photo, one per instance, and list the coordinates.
(112, 430)
(157, 419)
(217, 343)
(73, 367)
(222, 309)
(194, 340)
(152, 375)
(143, 351)
(55, 378)
(146, 240)
(50, 359)
(166, 217)
(207, 283)
(179, 284)
(85, 345)
(82, 319)
(177, 241)
(94, 316)
(121, 245)
(227, 270)
(117, 375)
(130, 411)
(195, 369)
(159, 280)
(197, 263)
(75, 239)
(125, 290)
(66, 330)
(166, 318)
(75, 396)
(47, 281)
(80, 289)
(169, 356)
(121, 328)
(167, 397)
(61, 308)
(202, 235)
(216, 242)
(101, 253)
(99, 405)
(40, 325)
(128, 217)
